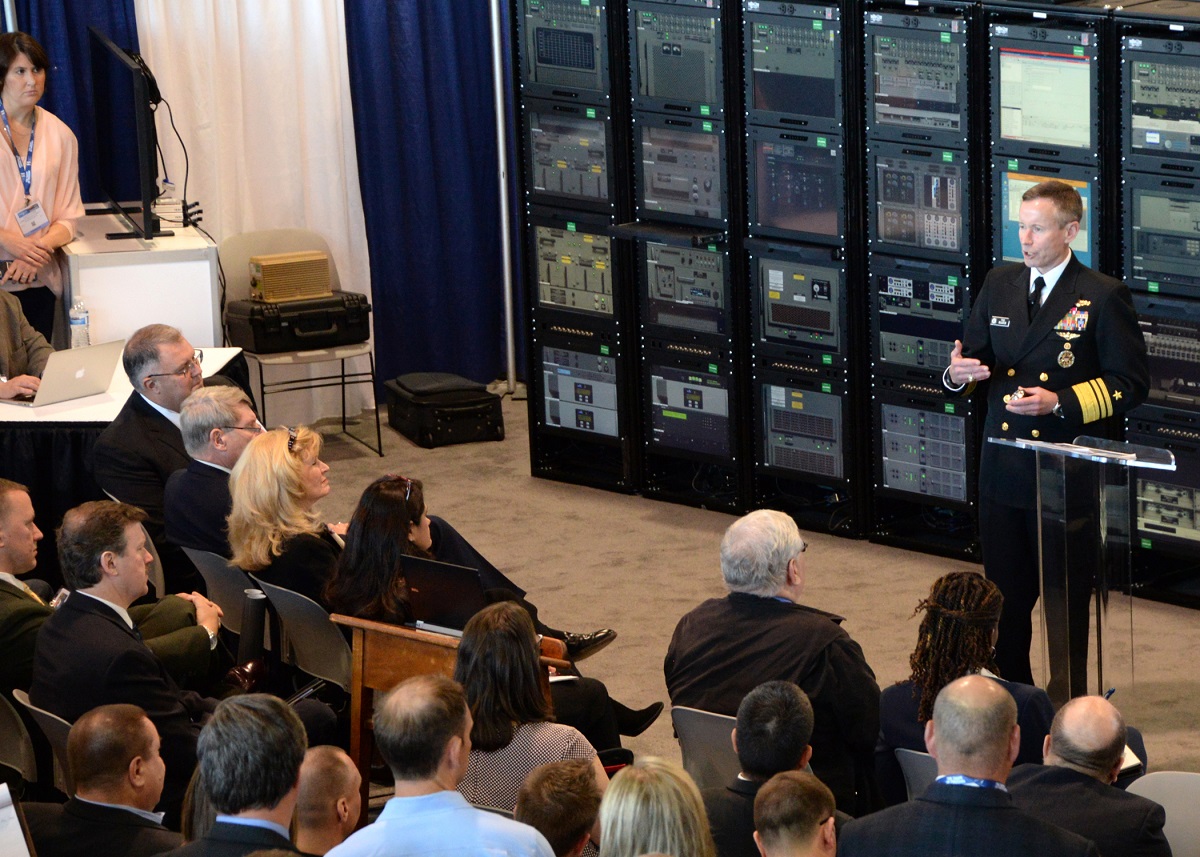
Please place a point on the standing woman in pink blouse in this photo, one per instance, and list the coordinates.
(39, 183)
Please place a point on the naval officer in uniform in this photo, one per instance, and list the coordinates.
(1058, 348)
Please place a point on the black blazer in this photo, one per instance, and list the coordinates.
(81, 829)
(234, 840)
(731, 817)
(1121, 824)
(196, 503)
(305, 565)
(1084, 344)
(959, 821)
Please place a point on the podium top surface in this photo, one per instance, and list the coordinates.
(1098, 449)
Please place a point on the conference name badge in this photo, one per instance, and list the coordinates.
(1000, 321)
(31, 218)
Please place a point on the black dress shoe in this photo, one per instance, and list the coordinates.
(247, 677)
(580, 646)
(633, 722)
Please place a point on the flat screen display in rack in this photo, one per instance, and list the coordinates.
(685, 287)
(1011, 182)
(568, 155)
(689, 410)
(564, 44)
(1164, 238)
(924, 452)
(800, 301)
(794, 65)
(580, 391)
(918, 74)
(574, 270)
(798, 186)
(919, 200)
(803, 430)
(677, 58)
(681, 173)
(919, 313)
(1163, 86)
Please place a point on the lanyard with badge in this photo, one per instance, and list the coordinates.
(31, 218)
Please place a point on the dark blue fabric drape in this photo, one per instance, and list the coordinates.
(61, 26)
(420, 79)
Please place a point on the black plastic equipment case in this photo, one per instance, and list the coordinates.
(268, 328)
(439, 409)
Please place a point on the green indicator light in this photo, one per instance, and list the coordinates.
(1078, 51)
(585, 2)
(949, 406)
(604, 350)
(712, 368)
(1153, 286)
(948, 157)
(675, 415)
(707, 126)
(1146, 545)
(946, 38)
(952, 281)
(822, 143)
(818, 25)
(705, 110)
(591, 113)
(826, 387)
(1012, 164)
(712, 248)
(570, 226)
(827, 359)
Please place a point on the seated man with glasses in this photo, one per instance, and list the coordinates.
(759, 632)
(142, 447)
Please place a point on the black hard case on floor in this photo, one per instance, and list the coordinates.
(439, 409)
(268, 328)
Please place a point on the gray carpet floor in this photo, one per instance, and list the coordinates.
(592, 559)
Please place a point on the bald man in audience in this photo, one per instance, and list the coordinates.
(113, 755)
(794, 817)
(1073, 788)
(562, 802)
(967, 812)
(329, 802)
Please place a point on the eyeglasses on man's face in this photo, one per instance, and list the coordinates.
(185, 369)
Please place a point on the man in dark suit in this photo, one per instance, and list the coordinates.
(250, 755)
(728, 646)
(1074, 788)
(974, 737)
(23, 351)
(774, 726)
(1061, 346)
(794, 816)
(142, 447)
(113, 752)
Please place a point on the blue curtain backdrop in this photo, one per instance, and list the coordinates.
(420, 79)
(62, 28)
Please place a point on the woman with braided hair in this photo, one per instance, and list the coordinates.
(957, 637)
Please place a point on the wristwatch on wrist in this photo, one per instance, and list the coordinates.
(1058, 411)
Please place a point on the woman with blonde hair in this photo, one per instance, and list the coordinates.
(274, 530)
(654, 806)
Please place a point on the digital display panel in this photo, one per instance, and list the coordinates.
(1168, 502)
(676, 58)
(569, 154)
(920, 309)
(1162, 87)
(800, 302)
(1172, 331)
(802, 430)
(685, 287)
(923, 451)
(919, 198)
(689, 410)
(917, 67)
(1163, 238)
(580, 391)
(793, 67)
(1011, 180)
(797, 185)
(681, 172)
(574, 269)
(564, 47)
(1036, 73)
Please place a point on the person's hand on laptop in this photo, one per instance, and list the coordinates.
(22, 385)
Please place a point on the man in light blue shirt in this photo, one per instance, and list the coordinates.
(423, 732)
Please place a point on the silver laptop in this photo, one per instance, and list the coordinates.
(74, 373)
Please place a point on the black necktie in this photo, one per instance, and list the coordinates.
(137, 633)
(1035, 297)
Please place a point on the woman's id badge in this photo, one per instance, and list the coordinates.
(31, 218)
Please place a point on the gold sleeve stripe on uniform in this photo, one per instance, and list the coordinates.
(1094, 400)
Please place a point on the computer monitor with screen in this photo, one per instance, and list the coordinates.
(569, 156)
(802, 428)
(1045, 92)
(793, 67)
(922, 451)
(918, 78)
(564, 49)
(675, 56)
(1011, 178)
(1161, 111)
(798, 301)
(1162, 234)
(580, 392)
(796, 185)
(573, 263)
(918, 199)
(1172, 330)
(688, 407)
(685, 288)
(681, 172)
(919, 309)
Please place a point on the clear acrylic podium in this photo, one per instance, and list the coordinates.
(1084, 515)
